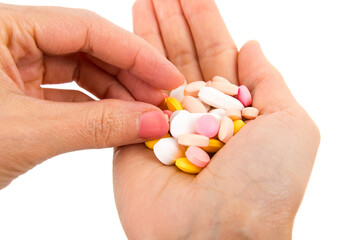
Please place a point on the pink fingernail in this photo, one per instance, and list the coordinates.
(153, 125)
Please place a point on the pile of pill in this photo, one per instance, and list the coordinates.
(203, 117)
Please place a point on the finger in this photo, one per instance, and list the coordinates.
(61, 95)
(177, 38)
(268, 88)
(96, 124)
(62, 31)
(145, 24)
(140, 90)
(62, 69)
(216, 50)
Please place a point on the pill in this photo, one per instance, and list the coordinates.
(207, 125)
(250, 113)
(168, 113)
(150, 144)
(214, 146)
(220, 79)
(233, 114)
(178, 93)
(174, 114)
(192, 89)
(186, 166)
(193, 105)
(238, 124)
(173, 104)
(207, 106)
(227, 88)
(184, 122)
(167, 150)
(244, 96)
(218, 111)
(217, 99)
(226, 129)
(197, 156)
(190, 139)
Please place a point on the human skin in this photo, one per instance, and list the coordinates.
(254, 185)
(49, 45)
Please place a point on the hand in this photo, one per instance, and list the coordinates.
(253, 186)
(47, 45)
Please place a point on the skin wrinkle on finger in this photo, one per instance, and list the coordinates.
(146, 26)
(217, 55)
(177, 38)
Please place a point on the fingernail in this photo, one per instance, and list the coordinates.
(153, 125)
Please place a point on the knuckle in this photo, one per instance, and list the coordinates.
(102, 124)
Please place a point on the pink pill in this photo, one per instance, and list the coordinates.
(168, 113)
(197, 156)
(207, 125)
(244, 96)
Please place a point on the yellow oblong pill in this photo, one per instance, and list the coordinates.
(173, 104)
(214, 146)
(238, 124)
(150, 144)
(186, 166)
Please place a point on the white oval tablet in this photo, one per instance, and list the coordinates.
(178, 93)
(167, 150)
(217, 99)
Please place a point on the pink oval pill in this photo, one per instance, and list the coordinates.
(197, 156)
(244, 96)
(207, 125)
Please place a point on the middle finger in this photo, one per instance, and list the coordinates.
(177, 38)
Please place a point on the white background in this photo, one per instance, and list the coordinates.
(314, 43)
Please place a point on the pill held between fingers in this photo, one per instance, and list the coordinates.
(150, 144)
(244, 96)
(190, 139)
(192, 89)
(250, 113)
(238, 124)
(220, 79)
(173, 104)
(193, 105)
(186, 166)
(218, 99)
(233, 114)
(227, 88)
(207, 125)
(197, 156)
(178, 93)
(214, 146)
(168, 113)
(167, 150)
(226, 129)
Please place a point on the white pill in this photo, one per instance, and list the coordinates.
(174, 114)
(184, 122)
(178, 93)
(167, 150)
(217, 99)
(218, 111)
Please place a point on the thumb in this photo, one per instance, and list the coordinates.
(99, 124)
(265, 82)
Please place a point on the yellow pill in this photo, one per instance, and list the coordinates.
(150, 144)
(186, 166)
(173, 104)
(214, 146)
(238, 124)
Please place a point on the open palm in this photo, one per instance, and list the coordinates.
(254, 185)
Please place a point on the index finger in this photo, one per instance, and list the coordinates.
(62, 31)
